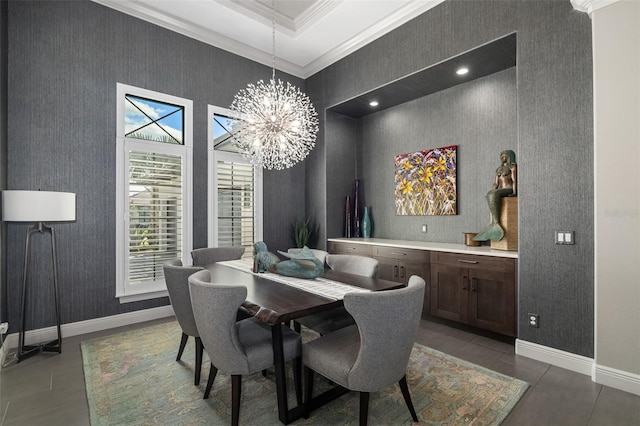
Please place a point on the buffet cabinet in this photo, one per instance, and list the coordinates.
(477, 290)
(399, 264)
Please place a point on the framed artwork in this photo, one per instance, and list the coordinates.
(426, 182)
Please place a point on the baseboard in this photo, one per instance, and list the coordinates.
(89, 326)
(578, 363)
(617, 379)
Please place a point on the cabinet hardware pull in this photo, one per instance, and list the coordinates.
(402, 272)
(467, 261)
(464, 282)
(395, 272)
(400, 254)
(474, 282)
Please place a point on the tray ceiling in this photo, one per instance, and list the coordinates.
(310, 34)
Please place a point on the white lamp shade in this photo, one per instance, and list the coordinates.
(38, 206)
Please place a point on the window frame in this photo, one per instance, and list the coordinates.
(212, 178)
(126, 292)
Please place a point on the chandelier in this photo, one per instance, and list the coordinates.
(280, 123)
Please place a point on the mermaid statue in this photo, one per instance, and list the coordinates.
(302, 265)
(263, 259)
(503, 186)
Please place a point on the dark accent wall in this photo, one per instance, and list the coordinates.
(479, 117)
(64, 60)
(3, 155)
(553, 142)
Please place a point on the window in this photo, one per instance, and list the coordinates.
(153, 211)
(235, 190)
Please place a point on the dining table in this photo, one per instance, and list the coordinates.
(275, 299)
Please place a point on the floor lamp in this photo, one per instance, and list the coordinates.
(38, 207)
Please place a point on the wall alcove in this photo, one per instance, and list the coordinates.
(430, 108)
(492, 57)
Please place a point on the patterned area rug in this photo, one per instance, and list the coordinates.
(132, 378)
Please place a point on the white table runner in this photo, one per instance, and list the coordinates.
(321, 286)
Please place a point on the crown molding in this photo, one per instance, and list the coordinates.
(396, 19)
(292, 27)
(399, 17)
(204, 35)
(590, 6)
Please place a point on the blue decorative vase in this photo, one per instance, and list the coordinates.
(366, 224)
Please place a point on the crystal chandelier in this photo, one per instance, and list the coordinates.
(280, 123)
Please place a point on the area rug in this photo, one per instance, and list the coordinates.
(132, 378)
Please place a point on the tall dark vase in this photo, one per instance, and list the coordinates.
(357, 213)
(347, 218)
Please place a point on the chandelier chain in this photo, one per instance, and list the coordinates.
(279, 123)
(273, 36)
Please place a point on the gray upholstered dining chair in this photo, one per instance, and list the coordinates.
(353, 264)
(176, 277)
(236, 347)
(208, 255)
(337, 318)
(373, 353)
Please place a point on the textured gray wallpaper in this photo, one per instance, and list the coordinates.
(65, 58)
(479, 117)
(3, 151)
(553, 141)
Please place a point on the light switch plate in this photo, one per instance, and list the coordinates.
(565, 237)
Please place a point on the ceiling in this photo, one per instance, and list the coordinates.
(310, 34)
(495, 56)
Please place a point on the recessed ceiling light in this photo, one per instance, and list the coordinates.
(373, 103)
(462, 71)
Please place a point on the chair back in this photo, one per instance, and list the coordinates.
(320, 254)
(388, 323)
(208, 255)
(353, 264)
(176, 277)
(215, 307)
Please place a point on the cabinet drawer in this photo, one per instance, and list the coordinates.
(488, 263)
(349, 248)
(401, 253)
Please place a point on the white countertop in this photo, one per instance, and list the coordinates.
(426, 245)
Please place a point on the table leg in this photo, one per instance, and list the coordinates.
(285, 415)
(281, 378)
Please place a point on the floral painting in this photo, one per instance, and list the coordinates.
(426, 182)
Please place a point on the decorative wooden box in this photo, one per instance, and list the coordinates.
(509, 222)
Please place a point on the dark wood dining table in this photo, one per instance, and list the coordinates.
(274, 303)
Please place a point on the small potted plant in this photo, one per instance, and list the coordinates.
(304, 232)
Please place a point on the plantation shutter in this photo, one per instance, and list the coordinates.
(236, 205)
(155, 214)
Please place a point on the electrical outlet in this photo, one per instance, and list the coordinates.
(533, 320)
(424, 229)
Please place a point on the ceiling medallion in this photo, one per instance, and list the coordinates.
(280, 123)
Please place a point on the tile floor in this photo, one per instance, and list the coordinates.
(48, 389)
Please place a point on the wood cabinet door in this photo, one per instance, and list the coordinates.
(387, 268)
(450, 292)
(492, 301)
(406, 269)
